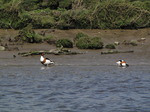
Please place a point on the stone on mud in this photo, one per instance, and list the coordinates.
(2, 48)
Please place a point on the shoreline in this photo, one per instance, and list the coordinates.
(88, 58)
(141, 52)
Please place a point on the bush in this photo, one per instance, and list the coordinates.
(76, 14)
(119, 14)
(89, 43)
(79, 35)
(133, 43)
(110, 46)
(65, 43)
(27, 34)
(42, 18)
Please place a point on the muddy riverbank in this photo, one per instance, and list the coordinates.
(141, 51)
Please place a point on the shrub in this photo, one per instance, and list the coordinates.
(79, 35)
(77, 14)
(27, 34)
(65, 43)
(110, 46)
(89, 43)
(37, 38)
(112, 14)
(133, 43)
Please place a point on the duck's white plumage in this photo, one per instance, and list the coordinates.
(122, 63)
(45, 61)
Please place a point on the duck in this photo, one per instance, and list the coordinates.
(122, 63)
(45, 61)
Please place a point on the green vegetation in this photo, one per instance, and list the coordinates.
(133, 43)
(64, 43)
(79, 35)
(89, 43)
(27, 34)
(67, 14)
(83, 41)
(110, 46)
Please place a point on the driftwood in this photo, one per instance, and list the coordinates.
(115, 52)
(53, 51)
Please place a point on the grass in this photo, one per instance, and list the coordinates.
(66, 14)
(110, 46)
(64, 43)
(89, 43)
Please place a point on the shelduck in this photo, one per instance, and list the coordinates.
(122, 63)
(45, 61)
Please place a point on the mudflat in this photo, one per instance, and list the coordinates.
(140, 55)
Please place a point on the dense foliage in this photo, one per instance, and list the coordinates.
(66, 14)
(64, 43)
(89, 43)
(110, 46)
(27, 34)
(79, 35)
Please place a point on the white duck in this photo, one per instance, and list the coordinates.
(122, 63)
(45, 61)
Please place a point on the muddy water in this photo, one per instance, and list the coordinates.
(73, 86)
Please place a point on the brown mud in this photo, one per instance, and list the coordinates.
(141, 51)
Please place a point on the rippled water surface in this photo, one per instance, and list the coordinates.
(74, 88)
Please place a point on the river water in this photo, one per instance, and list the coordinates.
(74, 88)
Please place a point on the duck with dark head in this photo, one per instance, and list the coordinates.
(45, 61)
(122, 63)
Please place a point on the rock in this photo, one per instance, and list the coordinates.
(116, 43)
(2, 48)
(142, 40)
